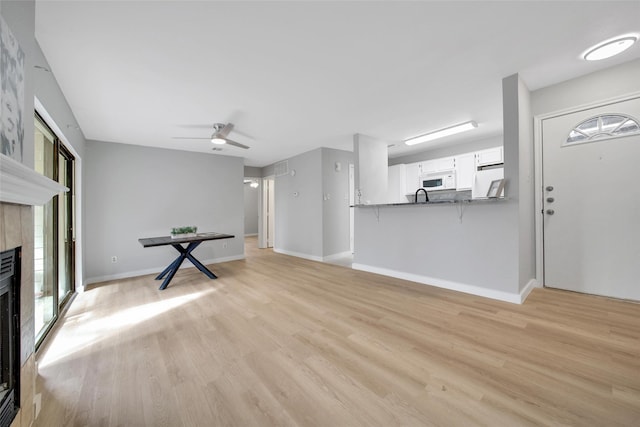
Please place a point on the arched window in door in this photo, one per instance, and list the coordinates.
(604, 126)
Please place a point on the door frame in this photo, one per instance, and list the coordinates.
(77, 197)
(538, 168)
(263, 217)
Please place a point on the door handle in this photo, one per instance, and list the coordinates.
(550, 211)
(550, 199)
(549, 188)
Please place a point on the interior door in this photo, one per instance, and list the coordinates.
(591, 200)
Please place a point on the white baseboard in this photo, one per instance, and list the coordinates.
(336, 256)
(524, 293)
(454, 286)
(156, 270)
(313, 257)
(298, 254)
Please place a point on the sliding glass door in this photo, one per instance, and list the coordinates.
(53, 232)
(66, 239)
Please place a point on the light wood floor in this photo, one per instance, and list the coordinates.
(280, 341)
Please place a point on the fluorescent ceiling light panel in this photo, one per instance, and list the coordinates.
(451, 130)
(609, 48)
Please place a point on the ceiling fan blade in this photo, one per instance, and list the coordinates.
(225, 130)
(236, 144)
(189, 137)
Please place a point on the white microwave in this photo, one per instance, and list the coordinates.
(438, 181)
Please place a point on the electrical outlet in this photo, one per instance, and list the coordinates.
(114, 259)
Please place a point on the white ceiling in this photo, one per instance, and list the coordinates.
(294, 76)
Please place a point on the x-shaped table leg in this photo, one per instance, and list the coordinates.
(185, 253)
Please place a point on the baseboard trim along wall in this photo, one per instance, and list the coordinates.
(313, 257)
(336, 256)
(454, 286)
(298, 254)
(157, 270)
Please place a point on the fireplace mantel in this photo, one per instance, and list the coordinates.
(24, 186)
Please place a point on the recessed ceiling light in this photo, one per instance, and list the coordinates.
(609, 48)
(451, 130)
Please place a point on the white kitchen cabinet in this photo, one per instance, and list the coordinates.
(412, 173)
(438, 165)
(465, 171)
(490, 156)
(397, 184)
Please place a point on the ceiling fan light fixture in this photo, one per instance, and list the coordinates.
(609, 48)
(218, 140)
(441, 133)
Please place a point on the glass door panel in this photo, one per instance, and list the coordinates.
(65, 228)
(45, 267)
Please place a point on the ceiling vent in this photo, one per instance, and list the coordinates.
(281, 168)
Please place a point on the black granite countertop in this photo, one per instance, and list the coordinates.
(435, 202)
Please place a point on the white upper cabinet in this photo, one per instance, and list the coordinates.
(465, 166)
(465, 171)
(490, 156)
(438, 165)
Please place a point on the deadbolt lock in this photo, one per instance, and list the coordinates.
(550, 199)
(549, 188)
(550, 211)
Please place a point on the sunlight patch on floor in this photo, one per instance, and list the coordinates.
(91, 332)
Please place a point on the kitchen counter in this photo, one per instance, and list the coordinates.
(435, 202)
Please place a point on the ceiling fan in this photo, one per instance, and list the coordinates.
(219, 136)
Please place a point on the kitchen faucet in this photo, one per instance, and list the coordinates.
(425, 195)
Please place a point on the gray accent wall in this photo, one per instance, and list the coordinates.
(371, 178)
(134, 192)
(298, 210)
(484, 248)
(57, 113)
(312, 205)
(253, 172)
(599, 86)
(518, 172)
(335, 205)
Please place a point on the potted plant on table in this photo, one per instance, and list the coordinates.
(181, 232)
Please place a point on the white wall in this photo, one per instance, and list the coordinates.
(251, 196)
(134, 192)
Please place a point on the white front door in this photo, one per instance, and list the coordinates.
(591, 200)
